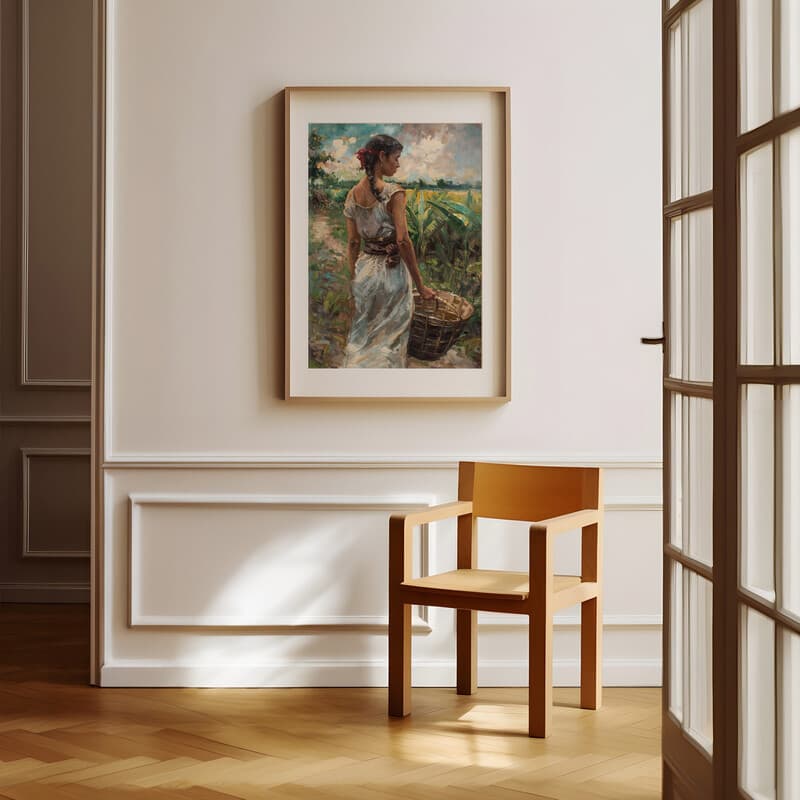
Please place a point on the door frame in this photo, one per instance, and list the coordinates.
(99, 132)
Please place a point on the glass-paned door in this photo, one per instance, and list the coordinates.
(731, 726)
(767, 580)
(689, 223)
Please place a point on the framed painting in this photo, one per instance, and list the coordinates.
(397, 243)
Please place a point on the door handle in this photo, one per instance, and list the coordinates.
(654, 339)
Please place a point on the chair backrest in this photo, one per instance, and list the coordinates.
(528, 493)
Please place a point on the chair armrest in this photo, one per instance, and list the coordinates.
(401, 527)
(459, 508)
(540, 551)
(567, 522)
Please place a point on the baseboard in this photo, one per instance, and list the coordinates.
(44, 592)
(566, 672)
(616, 672)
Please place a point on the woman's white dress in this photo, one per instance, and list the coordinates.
(383, 296)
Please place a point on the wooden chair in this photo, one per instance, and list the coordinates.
(554, 500)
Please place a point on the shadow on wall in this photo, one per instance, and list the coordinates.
(316, 578)
(269, 244)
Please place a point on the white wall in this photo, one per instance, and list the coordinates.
(195, 329)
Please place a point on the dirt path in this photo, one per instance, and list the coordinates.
(321, 233)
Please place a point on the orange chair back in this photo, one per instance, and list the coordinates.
(527, 493)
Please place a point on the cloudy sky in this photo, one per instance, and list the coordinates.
(451, 151)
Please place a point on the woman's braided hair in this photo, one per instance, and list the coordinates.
(368, 156)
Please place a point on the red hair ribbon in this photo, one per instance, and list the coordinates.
(361, 155)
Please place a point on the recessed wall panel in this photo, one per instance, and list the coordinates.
(57, 180)
(56, 499)
(257, 561)
(45, 511)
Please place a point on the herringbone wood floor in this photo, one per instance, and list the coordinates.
(63, 740)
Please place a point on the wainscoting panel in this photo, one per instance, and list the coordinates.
(275, 575)
(44, 467)
(55, 502)
(274, 568)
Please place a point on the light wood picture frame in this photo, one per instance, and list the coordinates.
(454, 168)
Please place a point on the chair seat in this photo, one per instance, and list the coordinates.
(500, 585)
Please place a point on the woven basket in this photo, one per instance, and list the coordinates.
(436, 324)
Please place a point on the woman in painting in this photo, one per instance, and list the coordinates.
(382, 270)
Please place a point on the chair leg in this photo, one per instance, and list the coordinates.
(591, 654)
(399, 659)
(466, 652)
(540, 673)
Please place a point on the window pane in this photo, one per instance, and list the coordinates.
(676, 113)
(758, 490)
(676, 261)
(757, 768)
(700, 321)
(790, 240)
(677, 471)
(700, 468)
(756, 257)
(699, 86)
(790, 57)
(692, 296)
(790, 563)
(700, 721)
(676, 641)
(755, 63)
(690, 102)
(691, 475)
(789, 722)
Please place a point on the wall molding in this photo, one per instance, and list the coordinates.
(290, 502)
(644, 503)
(352, 622)
(44, 592)
(420, 615)
(14, 419)
(25, 378)
(302, 673)
(207, 461)
(27, 454)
